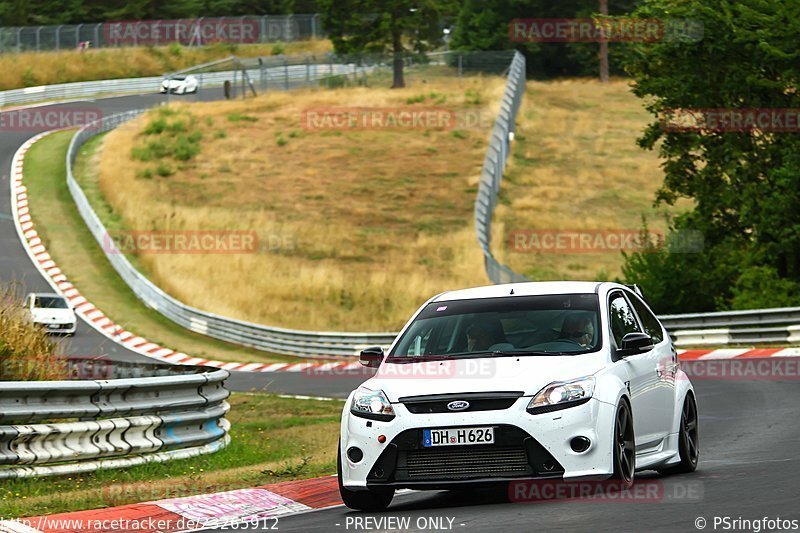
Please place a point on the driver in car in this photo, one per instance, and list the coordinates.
(477, 339)
(578, 328)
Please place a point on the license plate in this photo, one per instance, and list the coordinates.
(457, 436)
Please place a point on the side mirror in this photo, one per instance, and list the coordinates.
(635, 342)
(371, 357)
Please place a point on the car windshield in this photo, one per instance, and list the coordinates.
(50, 302)
(566, 324)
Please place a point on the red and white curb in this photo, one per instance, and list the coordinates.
(262, 506)
(99, 321)
(96, 318)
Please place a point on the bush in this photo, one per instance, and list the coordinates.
(334, 82)
(760, 287)
(278, 49)
(156, 126)
(164, 170)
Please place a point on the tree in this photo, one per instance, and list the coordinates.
(479, 28)
(381, 26)
(745, 185)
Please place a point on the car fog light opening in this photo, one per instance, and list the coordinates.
(355, 454)
(580, 444)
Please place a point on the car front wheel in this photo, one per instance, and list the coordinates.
(367, 500)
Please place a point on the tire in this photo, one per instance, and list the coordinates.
(624, 456)
(366, 500)
(688, 440)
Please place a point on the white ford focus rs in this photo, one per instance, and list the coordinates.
(550, 380)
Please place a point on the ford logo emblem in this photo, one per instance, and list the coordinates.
(458, 405)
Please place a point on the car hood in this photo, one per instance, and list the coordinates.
(53, 315)
(528, 374)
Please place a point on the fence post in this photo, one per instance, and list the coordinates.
(58, 36)
(97, 35)
(314, 22)
(19, 39)
(38, 31)
(263, 29)
(460, 64)
(78, 35)
(285, 73)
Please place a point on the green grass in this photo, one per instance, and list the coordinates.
(273, 439)
(82, 260)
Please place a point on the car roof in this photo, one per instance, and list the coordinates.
(532, 288)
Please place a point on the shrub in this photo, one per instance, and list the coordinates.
(164, 170)
(761, 287)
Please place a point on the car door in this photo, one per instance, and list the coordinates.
(643, 381)
(666, 359)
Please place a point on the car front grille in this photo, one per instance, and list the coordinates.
(438, 403)
(451, 464)
(514, 454)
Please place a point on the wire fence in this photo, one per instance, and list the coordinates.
(189, 32)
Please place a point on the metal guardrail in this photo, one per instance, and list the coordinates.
(128, 414)
(277, 340)
(492, 172)
(259, 29)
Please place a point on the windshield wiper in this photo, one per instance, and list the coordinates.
(514, 353)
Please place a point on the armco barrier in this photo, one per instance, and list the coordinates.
(129, 414)
(492, 172)
(277, 340)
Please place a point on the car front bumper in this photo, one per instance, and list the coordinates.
(58, 328)
(526, 447)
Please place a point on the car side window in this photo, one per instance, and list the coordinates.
(622, 318)
(651, 324)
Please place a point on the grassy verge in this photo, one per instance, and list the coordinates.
(272, 439)
(29, 69)
(576, 167)
(355, 227)
(83, 262)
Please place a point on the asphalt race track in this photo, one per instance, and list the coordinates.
(749, 468)
(15, 265)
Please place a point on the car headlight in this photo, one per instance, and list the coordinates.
(371, 404)
(562, 394)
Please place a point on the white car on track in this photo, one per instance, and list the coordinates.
(52, 312)
(550, 380)
(180, 85)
